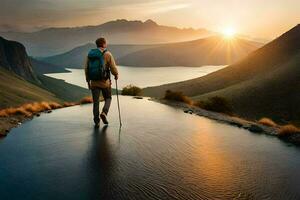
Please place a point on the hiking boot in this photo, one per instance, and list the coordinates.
(103, 117)
(97, 125)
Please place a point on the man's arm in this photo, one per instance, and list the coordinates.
(86, 67)
(113, 66)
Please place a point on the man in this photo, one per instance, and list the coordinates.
(100, 63)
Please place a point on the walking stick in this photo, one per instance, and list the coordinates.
(118, 103)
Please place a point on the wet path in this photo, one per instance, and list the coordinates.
(160, 153)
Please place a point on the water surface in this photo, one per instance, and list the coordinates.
(143, 76)
(160, 153)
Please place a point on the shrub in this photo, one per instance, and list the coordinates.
(216, 104)
(86, 100)
(288, 130)
(131, 90)
(177, 96)
(267, 122)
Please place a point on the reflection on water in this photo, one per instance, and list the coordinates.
(160, 153)
(143, 76)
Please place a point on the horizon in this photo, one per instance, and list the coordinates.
(36, 15)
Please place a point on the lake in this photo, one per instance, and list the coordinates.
(143, 76)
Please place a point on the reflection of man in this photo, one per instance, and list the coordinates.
(100, 63)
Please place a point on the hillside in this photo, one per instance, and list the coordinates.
(165, 54)
(20, 84)
(53, 41)
(15, 91)
(76, 57)
(265, 83)
(214, 50)
(13, 57)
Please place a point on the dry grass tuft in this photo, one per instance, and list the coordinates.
(267, 122)
(3, 113)
(288, 130)
(177, 96)
(86, 100)
(216, 104)
(30, 109)
(131, 90)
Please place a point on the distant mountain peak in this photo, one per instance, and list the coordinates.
(150, 22)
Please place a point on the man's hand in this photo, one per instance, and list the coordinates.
(116, 77)
(89, 85)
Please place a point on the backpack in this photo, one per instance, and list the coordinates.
(96, 65)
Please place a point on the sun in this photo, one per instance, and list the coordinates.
(229, 32)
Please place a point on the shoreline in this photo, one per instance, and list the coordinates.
(251, 126)
(8, 123)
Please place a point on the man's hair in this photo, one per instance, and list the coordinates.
(100, 42)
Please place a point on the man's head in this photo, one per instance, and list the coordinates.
(101, 42)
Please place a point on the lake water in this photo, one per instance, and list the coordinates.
(159, 153)
(143, 76)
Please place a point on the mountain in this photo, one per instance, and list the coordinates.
(76, 57)
(214, 50)
(13, 57)
(40, 67)
(172, 54)
(20, 84)
(264, 84)
(53, 41)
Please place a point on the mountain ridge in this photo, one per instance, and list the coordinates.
(263, 84)
(53, 41)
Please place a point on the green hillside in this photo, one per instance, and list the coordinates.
(15, 91)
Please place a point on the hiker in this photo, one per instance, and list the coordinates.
(99, 65)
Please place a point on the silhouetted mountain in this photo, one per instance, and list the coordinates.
(53, 41)
(76, 57)
(264, 84)
(13, 57)
(214, 50)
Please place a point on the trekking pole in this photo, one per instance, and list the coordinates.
(118, 103)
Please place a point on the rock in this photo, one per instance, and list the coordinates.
(233, 123)
(189, 111)
(37, 115)
(255, 128)
(295, 138)
(138, 97)
(49, 111)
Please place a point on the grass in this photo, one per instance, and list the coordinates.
(288, 130)
(216, 104)
(267, 122)
(177, 96)
(131, 90)
(29, 109)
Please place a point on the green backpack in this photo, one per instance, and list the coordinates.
(96, 65)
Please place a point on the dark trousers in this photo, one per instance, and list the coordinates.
(106, 93)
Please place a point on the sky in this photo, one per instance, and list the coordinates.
(256, 18)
